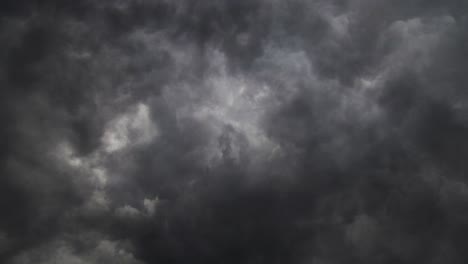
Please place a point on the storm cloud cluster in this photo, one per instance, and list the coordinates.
(233, 131)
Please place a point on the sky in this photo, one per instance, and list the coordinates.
(233, 131)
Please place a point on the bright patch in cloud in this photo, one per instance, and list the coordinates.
(132, 128)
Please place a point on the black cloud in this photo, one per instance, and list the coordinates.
(233, 131)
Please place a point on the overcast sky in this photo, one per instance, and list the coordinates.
(233, 131)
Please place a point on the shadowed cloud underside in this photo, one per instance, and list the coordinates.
(233, 131)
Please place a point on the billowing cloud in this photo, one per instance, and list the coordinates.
(286, 131)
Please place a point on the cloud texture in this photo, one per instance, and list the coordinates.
(233, 131)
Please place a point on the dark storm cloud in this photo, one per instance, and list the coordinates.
(233, 131)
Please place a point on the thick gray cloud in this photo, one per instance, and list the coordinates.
(284, 131)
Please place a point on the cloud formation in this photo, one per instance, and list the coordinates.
(261, 131)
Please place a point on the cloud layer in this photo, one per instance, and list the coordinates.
(262, 131)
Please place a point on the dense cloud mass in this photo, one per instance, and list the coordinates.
(233, 131)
